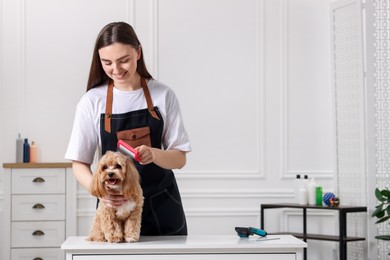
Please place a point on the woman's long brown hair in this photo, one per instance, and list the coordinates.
(120, 32)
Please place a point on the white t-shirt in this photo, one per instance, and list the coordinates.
(85, 137)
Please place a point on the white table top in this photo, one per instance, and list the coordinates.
(187, 244)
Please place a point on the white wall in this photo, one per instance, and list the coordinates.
(253, 78)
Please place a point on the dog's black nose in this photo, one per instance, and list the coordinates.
(110, 174)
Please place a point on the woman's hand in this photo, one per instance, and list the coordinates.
(113, 200)
(146, 154)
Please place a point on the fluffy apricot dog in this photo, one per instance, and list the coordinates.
(120, 224)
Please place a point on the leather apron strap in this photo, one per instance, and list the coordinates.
(109, 100)
(109, 97)
(149, 101)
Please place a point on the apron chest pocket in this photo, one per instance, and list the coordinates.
(136, 137)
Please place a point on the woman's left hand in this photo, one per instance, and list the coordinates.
(146, 154)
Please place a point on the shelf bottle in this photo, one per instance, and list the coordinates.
(33, 152)
(319, 196)
(26, 151)
(305, 180)
(302, 195)
(297, 185)
(19, 149)
(311, 192)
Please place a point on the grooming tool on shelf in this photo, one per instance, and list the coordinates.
(258, 231)
(248, 231)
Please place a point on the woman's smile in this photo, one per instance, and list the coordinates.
(120, 76)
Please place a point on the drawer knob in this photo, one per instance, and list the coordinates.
(38, 233)
(37, 258)
(38, 206)
(39, 179)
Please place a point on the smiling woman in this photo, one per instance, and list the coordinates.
(124, 102)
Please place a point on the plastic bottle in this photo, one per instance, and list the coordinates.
(19, 149)
(303, 195)
(26, 151)
(33, 152)
(297, 185)
(311, 192)
(318, 196)
(303, 190)
(305, 180)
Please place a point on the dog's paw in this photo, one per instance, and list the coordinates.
(115, 239)
(96, 239)
(131, 239)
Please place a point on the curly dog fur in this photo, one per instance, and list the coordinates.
(120, 224)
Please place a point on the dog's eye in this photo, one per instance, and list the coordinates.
(118, 166)
(104, 167)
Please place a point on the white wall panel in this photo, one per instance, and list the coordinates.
(308, 104)
(212, 64)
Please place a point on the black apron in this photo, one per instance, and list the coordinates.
(163, 212)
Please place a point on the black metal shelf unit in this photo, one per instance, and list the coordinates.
(341, 238)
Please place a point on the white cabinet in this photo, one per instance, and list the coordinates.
(283, 247)
(40, 210)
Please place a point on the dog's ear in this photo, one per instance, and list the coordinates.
(131, 179)
(96, 186)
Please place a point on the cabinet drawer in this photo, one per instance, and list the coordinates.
(38, 234)
(37, 253)
(200, 256)
(38, 207)
(38, 181)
